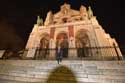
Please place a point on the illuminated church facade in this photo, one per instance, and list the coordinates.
(73, 30)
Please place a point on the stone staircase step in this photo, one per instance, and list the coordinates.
(30, 71)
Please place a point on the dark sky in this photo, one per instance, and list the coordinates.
(21, 14)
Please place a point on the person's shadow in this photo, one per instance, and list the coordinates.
(61, 74)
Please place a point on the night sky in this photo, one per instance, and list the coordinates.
(17, 17)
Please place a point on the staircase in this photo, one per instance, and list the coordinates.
(68, 71)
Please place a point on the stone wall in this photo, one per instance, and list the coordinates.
(36, 71)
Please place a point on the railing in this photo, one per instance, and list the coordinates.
(86, 53)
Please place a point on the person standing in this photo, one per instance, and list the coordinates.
(59, 54)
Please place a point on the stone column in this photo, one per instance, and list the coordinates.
(52, 49)
(52, 44)
(72, 49)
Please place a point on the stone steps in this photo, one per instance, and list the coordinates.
(36, 71)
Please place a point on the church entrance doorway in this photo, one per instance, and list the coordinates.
(44, 46)
(81, 43)
(62, 41)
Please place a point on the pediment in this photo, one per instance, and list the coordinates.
(66, 14)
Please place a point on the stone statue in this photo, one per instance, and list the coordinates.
(83, 12)
(39, 21)
(90, 13)
(65, 8)
(82, 9)
(49, 18)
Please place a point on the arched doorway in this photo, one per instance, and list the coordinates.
(81, 43)
(62, 41)
(44, 47)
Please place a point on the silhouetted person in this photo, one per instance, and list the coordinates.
(59, 54)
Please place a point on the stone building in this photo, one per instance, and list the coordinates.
(80, 35)
(76, 31)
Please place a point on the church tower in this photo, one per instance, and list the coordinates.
(76, 31)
